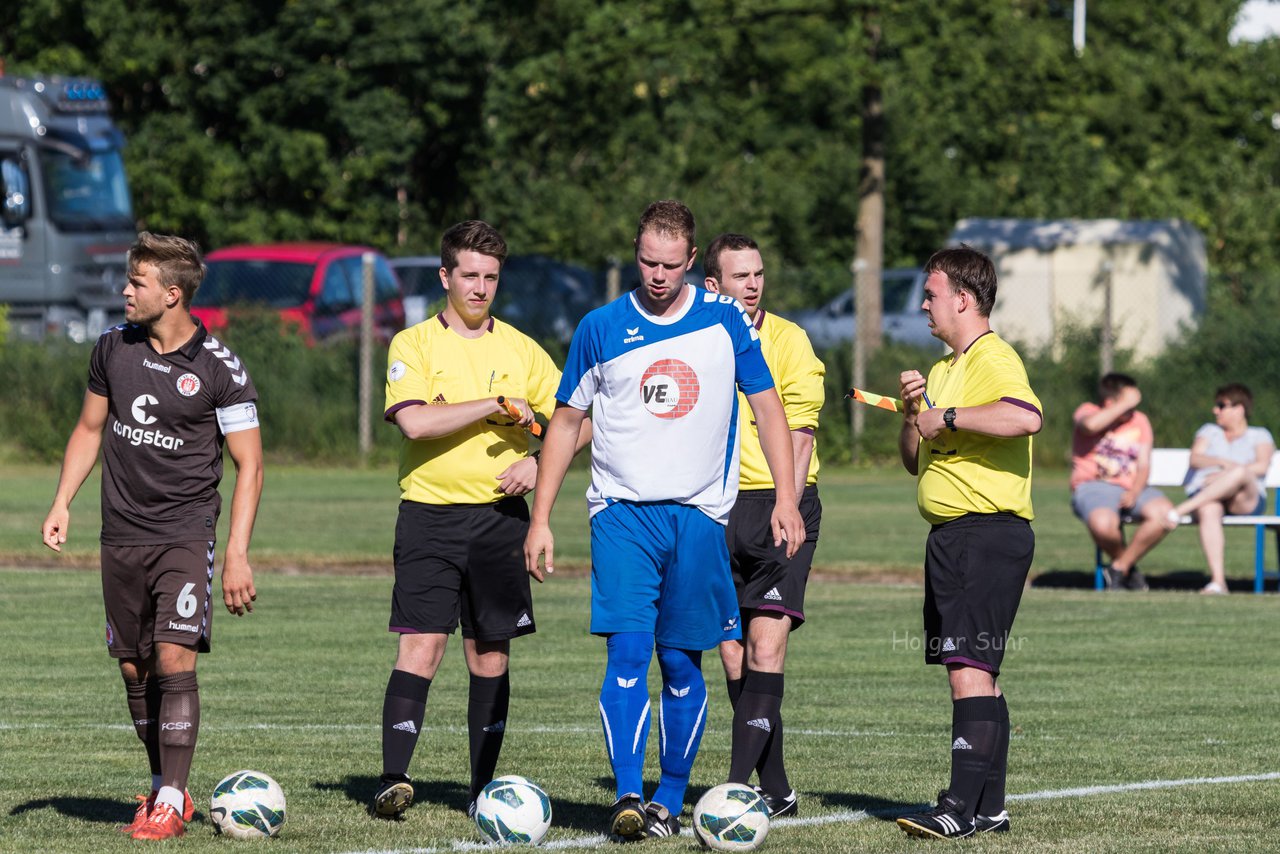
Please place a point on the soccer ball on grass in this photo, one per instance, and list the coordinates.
(511, 810)
(247, 805)
(731, 817)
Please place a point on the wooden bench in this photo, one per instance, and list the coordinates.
(1169, 468)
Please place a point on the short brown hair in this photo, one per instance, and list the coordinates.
(1113, 383)
(671, 218)
(1237, 393)
(968, 269)
(729, 242)
(471, 236)
(176, 259)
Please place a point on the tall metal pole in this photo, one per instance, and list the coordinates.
(366, 357)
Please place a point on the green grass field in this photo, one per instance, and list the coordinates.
(1143, 722)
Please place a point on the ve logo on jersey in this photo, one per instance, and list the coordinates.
(139, 414)
(669, 388)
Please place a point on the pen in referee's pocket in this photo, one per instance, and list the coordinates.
(491, 376)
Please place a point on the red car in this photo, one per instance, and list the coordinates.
(314, 286)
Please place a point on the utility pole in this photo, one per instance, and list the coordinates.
(869, 262)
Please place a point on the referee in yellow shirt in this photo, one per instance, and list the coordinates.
(970, 446)
(770, 585)
(464, 469)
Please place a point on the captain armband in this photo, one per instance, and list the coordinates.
(241, 416)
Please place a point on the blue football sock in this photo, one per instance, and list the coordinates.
(624, 707)
(684, 715)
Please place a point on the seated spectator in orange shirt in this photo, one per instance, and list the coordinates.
(1110, 463)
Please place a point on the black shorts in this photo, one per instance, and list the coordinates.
(763, 576)
(974, 570)
(157, 594)
(462, 561)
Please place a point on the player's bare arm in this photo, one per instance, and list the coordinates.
(559, 444)
(911, 390)
(77, 462)
(1001, 419)
(425, 421)
(801, 453)
(238, 593)
(775, 442)
(1111, 411)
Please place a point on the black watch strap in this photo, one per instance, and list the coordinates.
(949, 418)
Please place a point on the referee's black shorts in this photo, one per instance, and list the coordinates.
(462, 563)
(975, 567)
(765, 579)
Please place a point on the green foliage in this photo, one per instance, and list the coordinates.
(41, 396)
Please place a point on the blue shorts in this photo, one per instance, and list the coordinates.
(663, 568)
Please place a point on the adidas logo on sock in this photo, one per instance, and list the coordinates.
(406, 726)
(627, 683)
(678, 692)
(523, 621)
(948, 645)
(961, 744)
(498, 727)
(760, 723)
(774, 595)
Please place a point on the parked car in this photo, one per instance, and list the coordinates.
(902, 319)
(420, 279)
(542, 297)
(316, 287)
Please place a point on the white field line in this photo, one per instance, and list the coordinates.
(852, 816)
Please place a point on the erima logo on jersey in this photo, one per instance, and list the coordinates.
(760, 723)
(627, 683)
(961, 744)
(633, 335)
(498, 727)
(773, 594)
(406, 726)
(678, 692)
(183, 627)
(523, 621)
(948, 645)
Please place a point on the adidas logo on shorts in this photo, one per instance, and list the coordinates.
(760, 723)
(773, 594)
(406, 726)
(948, 645)
(523, 621)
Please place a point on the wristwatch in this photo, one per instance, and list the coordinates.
(949, 418)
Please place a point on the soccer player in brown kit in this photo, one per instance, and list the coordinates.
(168, 395)
(464, 469)
(970, 448)
(770, 585)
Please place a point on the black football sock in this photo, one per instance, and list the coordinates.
(753, 722)
(179, 722)
(975, 731)
(486, 724)
(403, 709)
(992, 800)
(144, 708)
(770, 768)
(734, 687)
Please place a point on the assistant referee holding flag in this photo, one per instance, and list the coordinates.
(971, 449)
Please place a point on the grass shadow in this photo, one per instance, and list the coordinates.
(100, 810)
(883, 809)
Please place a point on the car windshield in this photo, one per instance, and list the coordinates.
(279, 284)
(87, 192)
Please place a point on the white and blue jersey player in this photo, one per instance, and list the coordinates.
(659, 368)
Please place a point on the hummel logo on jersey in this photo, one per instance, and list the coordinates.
(961, 744)
(760, 723)
(948, 645)
(498, 727)
(523, 621)
(678, 692)
(773, 594)
(406, 726)
(627, 683)
(439, 398)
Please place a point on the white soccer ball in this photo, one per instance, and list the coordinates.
(731, 817)
(511, 810)
(247, 805)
